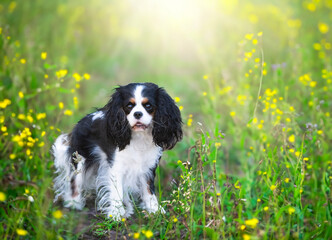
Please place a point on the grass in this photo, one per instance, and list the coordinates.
(254, 84)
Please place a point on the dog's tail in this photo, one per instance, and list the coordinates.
(62, 163)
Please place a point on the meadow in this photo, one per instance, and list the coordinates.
(253, 81)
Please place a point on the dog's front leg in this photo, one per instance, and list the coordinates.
(149, 199)
(110, 192)
(117, 209)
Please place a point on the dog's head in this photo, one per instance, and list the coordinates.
(139, 107)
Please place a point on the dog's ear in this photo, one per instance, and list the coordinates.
(117, 125)
(167, 126)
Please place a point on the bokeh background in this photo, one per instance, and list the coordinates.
(252, 80)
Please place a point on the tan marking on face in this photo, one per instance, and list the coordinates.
(132, 100)
(145, 100)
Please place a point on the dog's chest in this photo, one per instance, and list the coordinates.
(138, 158)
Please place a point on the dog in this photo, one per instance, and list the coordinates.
(115, 151)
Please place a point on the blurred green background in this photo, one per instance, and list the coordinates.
(252, 80)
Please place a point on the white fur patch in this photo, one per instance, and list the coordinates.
(146, 117)
(97, 115)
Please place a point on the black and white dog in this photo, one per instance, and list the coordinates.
(115, 150)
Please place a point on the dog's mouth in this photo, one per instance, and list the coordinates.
(139, 126)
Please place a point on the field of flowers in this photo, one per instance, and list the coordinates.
(253, 81)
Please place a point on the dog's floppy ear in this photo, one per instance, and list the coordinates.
(117, 125)
(167, 127)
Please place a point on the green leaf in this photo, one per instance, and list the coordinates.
(6, 82)
(48, 66)
(34, 82)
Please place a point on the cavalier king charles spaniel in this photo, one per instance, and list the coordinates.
(115, 151)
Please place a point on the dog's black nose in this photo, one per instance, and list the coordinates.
(138, 115)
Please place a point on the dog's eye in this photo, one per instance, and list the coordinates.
(130, 106)
(148, 106)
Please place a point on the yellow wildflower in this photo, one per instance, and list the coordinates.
(57, 214)
(273, 187)
(68, 112)
(61, 73)
(319, 132)
(266, 208)
(259, 34)
(313, 84)
(189, 122)
(243, 227)
(30, 119)
(86, 76)
(177, 99)
(5, 103)
(136, 235)
(43, 55)
(77, 77)
(287, 180)
(2, 197)
(323, 28)
(148, 234)
(21, 232)
(248, 36)
(246, 236)
(317, 47)
(175, 220)
(252, 222)
(291, 138)
(291, 210)
(23, 61)
(21, 95)
(61, 105)
(41, 116)
(12, 156)
(311, 7)
(21, 116)
(236, 185)
(232, 114)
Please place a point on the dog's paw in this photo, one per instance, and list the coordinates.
(152, 205)
(74, 204)
(116, 212)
